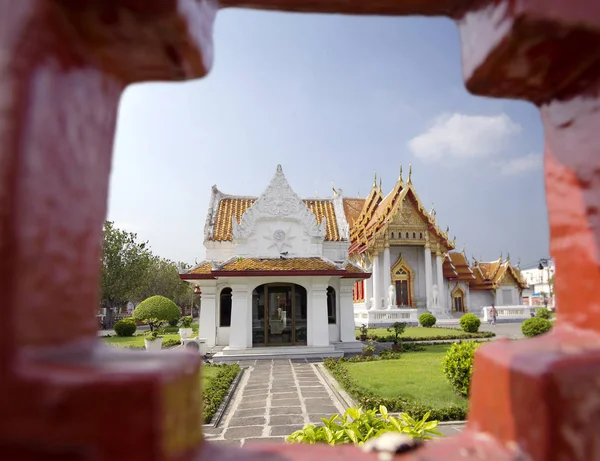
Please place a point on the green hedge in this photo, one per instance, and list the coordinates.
(459, 335)
(470, 323)
(535, 326)
(217, 389)
(458, 366)
(370, 400)
(171, 342)
(156, 307)
(427, 320)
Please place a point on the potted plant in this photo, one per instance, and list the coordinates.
(152, 341)
(363, 332)
(369, 349)
(398, 329)
(186, 331)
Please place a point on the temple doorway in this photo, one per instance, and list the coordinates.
(279, 315)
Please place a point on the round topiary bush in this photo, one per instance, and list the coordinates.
(470, 323)
(458, 366)
(543, 313)
(535, 326)
(427, 320)
(125, 327)
(157, 307)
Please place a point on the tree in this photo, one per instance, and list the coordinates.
(161, 278)
(125, 262)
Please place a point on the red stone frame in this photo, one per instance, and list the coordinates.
(63, 67)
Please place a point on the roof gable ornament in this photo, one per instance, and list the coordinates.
(278, 201)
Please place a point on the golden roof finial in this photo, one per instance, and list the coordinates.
(410, 173)
(401, 172)
(380, 183)
(507, 257)
(375, 180)
(464, 250)
(447, 229)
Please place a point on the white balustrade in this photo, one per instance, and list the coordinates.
(383, 317)
(509, 312)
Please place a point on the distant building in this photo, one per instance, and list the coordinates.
(538, 281)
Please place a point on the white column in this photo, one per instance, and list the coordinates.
(347, 329)
(208, 314)
(387, 278)
(376, 276)
(440, 280)
(468, 306)
(368, 292)
(238, 334)
(318, 333)
(428, 275)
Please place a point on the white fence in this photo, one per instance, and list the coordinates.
(509, 312)
(383, 317)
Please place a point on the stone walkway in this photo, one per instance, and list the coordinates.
(274, 399)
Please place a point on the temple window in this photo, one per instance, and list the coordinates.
(407, 235)
(392, 235)
(331, 310)
(225, 308)
(458, 300)
(420, 235)
(414, 235)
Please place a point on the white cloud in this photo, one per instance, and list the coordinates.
(520, 165)
(464, 136)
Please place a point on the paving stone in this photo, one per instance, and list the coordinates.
(235, 443)
(286, 430)
(285, 411)
(254, 440)
(254, 398)
(326, 411)
(284, 420)
(243, 432)
(285, 402)
(248, 413)
(208, 431)
(309, 393)
(249, 405)
(284, 395)
(251, 421)
(252, 392)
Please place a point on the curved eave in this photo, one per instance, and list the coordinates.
(216, 274)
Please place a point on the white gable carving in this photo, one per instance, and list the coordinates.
(278, 202)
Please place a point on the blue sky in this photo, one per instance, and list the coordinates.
(333, 99)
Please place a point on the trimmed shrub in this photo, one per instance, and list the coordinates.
(217, 388)
(470, 323)
(157, 307)
(458, 366)
(543, 313)
(427, 320)
(171, 342)
(535, 326)
(125, 327)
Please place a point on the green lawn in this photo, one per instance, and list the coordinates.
(208, 374)
(415, 332)
(417, 376)
(134, 341)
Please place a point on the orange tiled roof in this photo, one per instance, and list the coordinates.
(489, 275)
(235, 207)
(202, 268)
(353, 269)
(290, 264)
(352, 208)
(379, 210)
(448, 268)
(459, 261)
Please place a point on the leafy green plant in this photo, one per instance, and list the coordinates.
(369, 348)
(543, 313)
(151, 335)
(397, 328)
(368, 399)
(458, 366)
(408, 339)
(217, 389)
(427, 320)
(535, 326)
(156, 307)
(356, 426)
(125, 327)
(171, 342)
(186, 322)
(156, 325)
(470, 323)
(364, 330)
